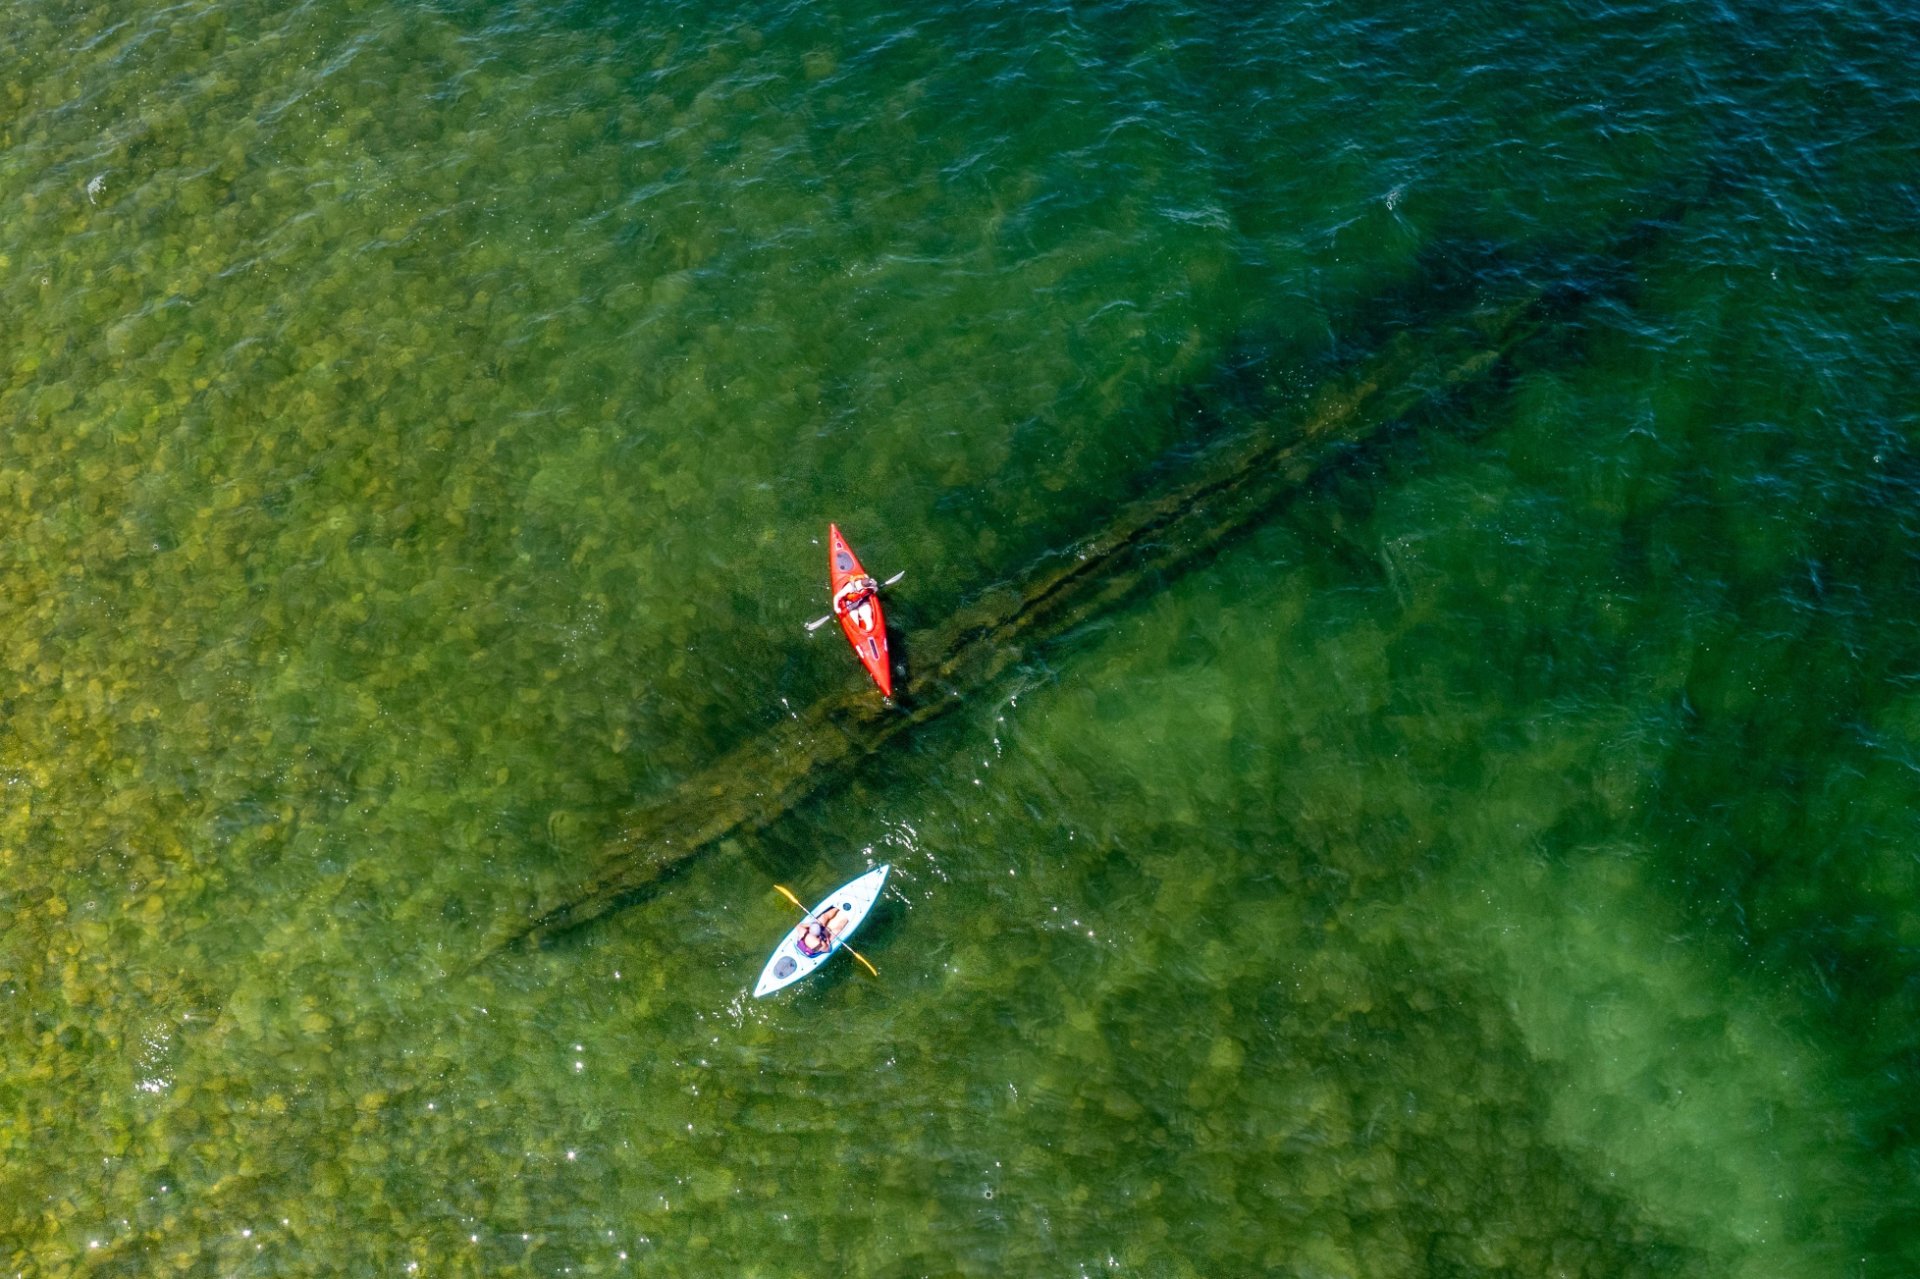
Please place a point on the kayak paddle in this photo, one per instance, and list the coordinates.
(842, 945)
(818, 622)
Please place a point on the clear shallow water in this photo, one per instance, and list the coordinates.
(1499, 861)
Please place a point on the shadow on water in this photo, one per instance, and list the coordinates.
(1466, 320)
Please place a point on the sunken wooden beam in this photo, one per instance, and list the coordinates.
(1221, 492)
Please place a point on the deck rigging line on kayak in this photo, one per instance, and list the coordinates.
(1226, 490)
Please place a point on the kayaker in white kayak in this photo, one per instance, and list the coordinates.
(819, 933)
(855, 599)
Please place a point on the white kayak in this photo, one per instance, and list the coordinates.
(793, 959)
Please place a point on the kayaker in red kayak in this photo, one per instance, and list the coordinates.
(855, 599)
(856, 603)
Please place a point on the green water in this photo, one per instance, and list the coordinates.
(417, 426)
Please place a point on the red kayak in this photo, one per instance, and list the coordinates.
(856, 602)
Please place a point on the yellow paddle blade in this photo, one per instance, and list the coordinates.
(789, 896)
(862, 958)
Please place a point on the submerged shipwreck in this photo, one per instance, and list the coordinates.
(1460, 331)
